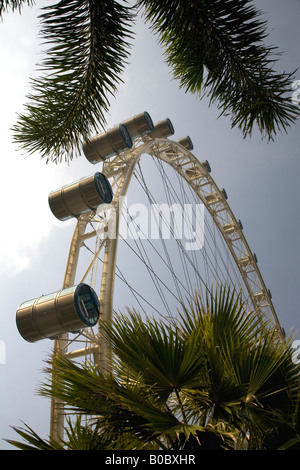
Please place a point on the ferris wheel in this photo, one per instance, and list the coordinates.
(152, 227)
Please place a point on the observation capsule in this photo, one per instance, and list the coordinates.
(223, 191)
(186, 142)
(105, 145)
(139, 125)
(270, 294)
(206, 166)
(48, 316)
(162, 129)
(81, 196)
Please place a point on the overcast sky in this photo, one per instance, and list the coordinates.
(261, 179)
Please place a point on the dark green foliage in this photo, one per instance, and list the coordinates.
(5, 5)
(212, 46)
(88, 50)
(219, 47)
(216, 379)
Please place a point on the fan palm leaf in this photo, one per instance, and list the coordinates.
(217, 377)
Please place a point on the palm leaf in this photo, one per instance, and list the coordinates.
(88, 49)
(214, 47)
(216, 377)
(218, 47)
(33, 441)
(166, 360)
(249, 372)
(5, 5)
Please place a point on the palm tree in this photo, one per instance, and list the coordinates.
(214, 378)
(211, 46)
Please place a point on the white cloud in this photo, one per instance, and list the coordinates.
(25, 214)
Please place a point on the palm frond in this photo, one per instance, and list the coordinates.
(219, 47)
(78, 437)
(248, 371)
(5, 5)
(217, 376)
(32, 441)
(158, 350)
(88, 47)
